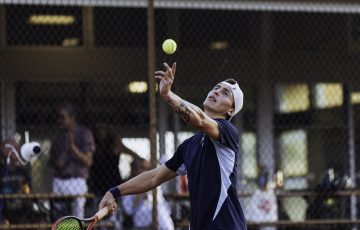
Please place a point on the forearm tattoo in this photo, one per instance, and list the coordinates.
(182, 110)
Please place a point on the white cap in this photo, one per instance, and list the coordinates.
(237, 94)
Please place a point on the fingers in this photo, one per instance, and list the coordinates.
(101, 205)
(159, 77)
(174, 68)
(169, 70)
(167, 67)
(168, 73)
(106, 200)
(112, 207)
(160, 73)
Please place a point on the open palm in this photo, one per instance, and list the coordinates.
(166, 78)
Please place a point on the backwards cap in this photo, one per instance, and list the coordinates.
(237, 94)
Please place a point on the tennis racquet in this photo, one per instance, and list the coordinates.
(76, 223)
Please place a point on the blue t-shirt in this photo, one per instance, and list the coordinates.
(210, 166)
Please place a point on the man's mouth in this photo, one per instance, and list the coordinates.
(212, 98)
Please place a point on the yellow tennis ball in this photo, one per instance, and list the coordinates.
(169, 46)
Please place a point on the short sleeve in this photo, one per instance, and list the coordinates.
(228, 134)
(176, 163)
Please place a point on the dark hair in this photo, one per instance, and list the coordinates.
(69, 109)
(231, 81)
(110, 135)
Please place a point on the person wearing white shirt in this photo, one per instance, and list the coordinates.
(139, 207)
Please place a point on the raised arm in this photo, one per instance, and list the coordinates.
(140, 184)
(191, 114)
(119, 148)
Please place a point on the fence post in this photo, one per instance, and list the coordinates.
(351, 150)
(152, 97)
(8, 113)
(265, 130)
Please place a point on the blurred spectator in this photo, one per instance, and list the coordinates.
(263, 203)
(14, 179)
(71, 157)
(104, 172)
(326, 204)
(139, 207)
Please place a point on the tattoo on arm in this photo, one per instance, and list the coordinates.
(184, 112)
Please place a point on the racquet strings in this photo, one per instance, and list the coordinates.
(69, 224)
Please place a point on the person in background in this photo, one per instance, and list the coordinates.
(104, 171)
(14, 179)
(263, 205)
(71, 157)
(139, 207)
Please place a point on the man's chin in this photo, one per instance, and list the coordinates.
(210, 107)
(208, 104)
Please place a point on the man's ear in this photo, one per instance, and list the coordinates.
(231, 112)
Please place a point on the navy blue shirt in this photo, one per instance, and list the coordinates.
(210, 166)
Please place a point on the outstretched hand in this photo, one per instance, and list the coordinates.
(166, 78)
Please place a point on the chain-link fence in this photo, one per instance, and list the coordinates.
(68, 66)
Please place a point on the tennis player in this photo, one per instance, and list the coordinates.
(208, 158)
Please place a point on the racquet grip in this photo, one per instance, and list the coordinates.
(102, 213)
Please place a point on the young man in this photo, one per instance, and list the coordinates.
(208, 158)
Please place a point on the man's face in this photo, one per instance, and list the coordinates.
(219, 100)
(64, 119)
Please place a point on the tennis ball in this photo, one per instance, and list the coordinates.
(169, 46)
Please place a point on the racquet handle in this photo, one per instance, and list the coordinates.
(102, 213)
